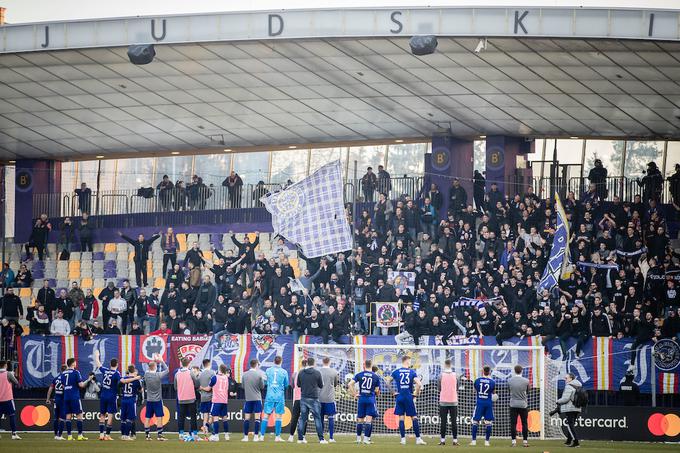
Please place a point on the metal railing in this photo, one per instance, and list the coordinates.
(206, 198)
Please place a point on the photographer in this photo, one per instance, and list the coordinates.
(569, 409)
(92, 389)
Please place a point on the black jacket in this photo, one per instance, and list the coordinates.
(11, 306)
(310, 382)
(141, 247)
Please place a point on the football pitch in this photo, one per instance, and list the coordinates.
(381, 444)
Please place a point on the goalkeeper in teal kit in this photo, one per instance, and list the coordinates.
(275, 400)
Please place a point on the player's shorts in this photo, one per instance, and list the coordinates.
(366, 408)
(108, 406)
(59, 410)
(483, 411)
(128, 409)
(327, 409)
(205, 407)
(72, 407)
(154, 409)
(278, 407)
(405, 406)
(252, 407)
(219, 410)
(7, 408)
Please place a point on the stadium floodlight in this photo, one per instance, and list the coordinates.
(423, 44)
(481, 45)
(467, 360)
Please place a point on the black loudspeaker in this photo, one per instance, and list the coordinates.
(141, 54)
(423, 45)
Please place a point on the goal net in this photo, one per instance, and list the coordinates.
(428, 361)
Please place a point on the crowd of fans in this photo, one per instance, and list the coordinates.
(490, 253)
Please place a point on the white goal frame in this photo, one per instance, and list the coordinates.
(537, 349)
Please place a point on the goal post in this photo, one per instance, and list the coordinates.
(428, 361)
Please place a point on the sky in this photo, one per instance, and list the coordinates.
(21, 11)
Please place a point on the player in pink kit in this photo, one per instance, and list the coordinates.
(219, 385)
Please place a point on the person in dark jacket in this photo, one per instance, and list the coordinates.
(310, 383)
(642, 329)
(84, 195)
(234, 184)
(169, 246)
(67, 234)
(457, 197)
(674, 185)
(39, 234)
(246, 247)
(206, 296)
(85, 233)
(259, 192)
(651, 183)
(369, 183)
(141, 256)
(629, 391)
(165, 189)
(105, 295)
(384, 181)
(598, 176)
(478, 190)
(600, 325)
(46, 298)
(194, 256)
(11, 306)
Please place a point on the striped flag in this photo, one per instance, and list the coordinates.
(559, 262)
(239, 361)
(69, 347)
(359, 352)
(126, 351)
(668, 383)
(535, 362)
(603, 367)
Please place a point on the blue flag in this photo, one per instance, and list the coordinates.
(559, 264)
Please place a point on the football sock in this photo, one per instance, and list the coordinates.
(277, 427)
(402, 429)
(475, 427)
(488, 432)
(331, 426)
(416, 427)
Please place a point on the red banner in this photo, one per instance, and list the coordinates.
(182, 346)
(150, 345)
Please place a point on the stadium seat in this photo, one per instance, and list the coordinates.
(86, 283)
(110, 248)
(25, 292)
(159, 282)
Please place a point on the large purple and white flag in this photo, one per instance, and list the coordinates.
(311, 213)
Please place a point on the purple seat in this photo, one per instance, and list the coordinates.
(119, 282)
(216, 238)
(38, 265)
(98, 256)
(53, 282)
(38, 274)
(109, 265)
(110, 273)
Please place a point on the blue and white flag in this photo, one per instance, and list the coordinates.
(311, 213)
(559, 264)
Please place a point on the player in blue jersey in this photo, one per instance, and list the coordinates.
(275, 399)
(485, 387)
(131, 387)
(365, 388)
(407, 388)
(108, 405)
(73, 382)
(57, 388)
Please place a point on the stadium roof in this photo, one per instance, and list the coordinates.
(301, 88)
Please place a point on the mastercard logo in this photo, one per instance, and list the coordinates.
(35, 416)
(664, 424)
(152, 420)
(392, 421)
(285, 418)
(533, 420)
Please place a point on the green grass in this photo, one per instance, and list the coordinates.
(383, 444)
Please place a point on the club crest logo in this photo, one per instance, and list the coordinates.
(666, 355)
(153, 345)
(289, 202)
(263, 342)
(189, 351)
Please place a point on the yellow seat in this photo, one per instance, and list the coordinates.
(181, 242)
(110, 248)
(208, 255)
(96, 291)
(159, 282)
(86, 283)
(73, 273)
(131, 256)
(72, 265)
(295, 264)
(25, 292)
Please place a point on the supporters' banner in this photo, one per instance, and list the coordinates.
(152, 345)
(387, 314)
(402, 280)
(185, 346)
(311, 213)
(602, 364)
(558, 262)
